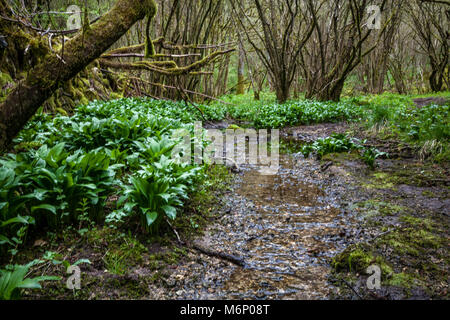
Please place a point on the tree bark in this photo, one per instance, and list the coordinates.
(42, 81)
(241, 77)
(332, 93)
(282, 91)
(436, 79)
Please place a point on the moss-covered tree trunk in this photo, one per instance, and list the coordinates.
(241, 70)
(56, 69)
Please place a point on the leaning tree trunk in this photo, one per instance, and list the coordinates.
(56, 69)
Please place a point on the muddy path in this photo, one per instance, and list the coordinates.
(289, 229)
(285, 227)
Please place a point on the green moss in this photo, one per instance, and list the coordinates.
(423, 223)
(402, 279)
(169, 257)
(401, 247)
(444, 156)
(357, 260)
(105, 82)
(157, 276)
(381, 175)
(4, 79)
(290, 146)
(98, 237)
(425, 239)
(428, 194)
(122, 251)
(115, 96)
(374, 207)
(117, 288)
(234, 127)
(119, 259)
(61, 111)
(84, 101)
(340, 158)
(421, 175)
(411, 241)
(51, 104)
(381, 180)
(150, 8)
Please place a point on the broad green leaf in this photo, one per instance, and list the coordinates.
(170, 211)
(151, 217)
(165, 196)
(82, 261)
(18, 219)
(46, 207)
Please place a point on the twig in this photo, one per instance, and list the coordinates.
(224, 256)
(189, 91)
(353, 289)
(380, 235)
(141, 55)
(28, 25)
(176, 233)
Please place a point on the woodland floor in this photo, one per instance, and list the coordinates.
(308, 232)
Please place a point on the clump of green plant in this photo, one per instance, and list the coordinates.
(353, 261)
(269, 114)
(11, 238)
(51, 184)
(427, 128)
(156, 192)
(402, 279)
(68, 167)
(13, 226)
(338, 143)
(381, 114)
(369, 155)
(412, 240)
(14, 278)
(427, 123)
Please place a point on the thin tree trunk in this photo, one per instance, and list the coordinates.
(241, 66)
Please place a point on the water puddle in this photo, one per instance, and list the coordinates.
(285, 229)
